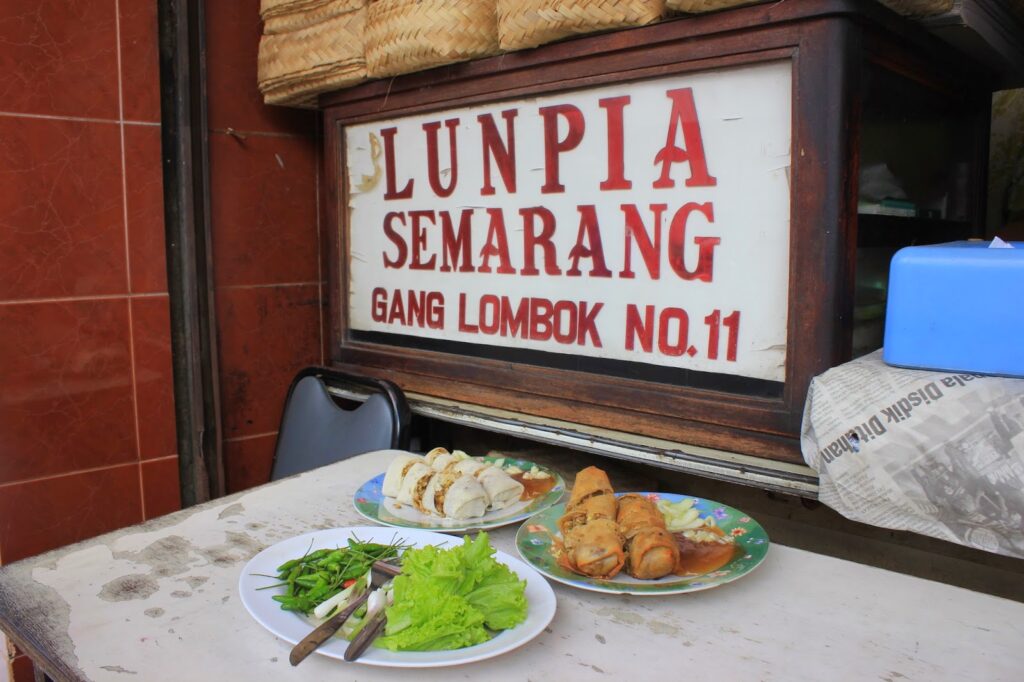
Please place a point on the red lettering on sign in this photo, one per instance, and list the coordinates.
(638, 329)
(457, 249)
(553, 146)
(503, 153)
(378, 304)
(540, 319)
(706, 245)
(588, 325)
(732, 323)
(684, 117)
(397, 311)
(497, 244)
(613, 107)
(564, 312)
(465, 326)
(389, 168)
(536, 319)
(650, 249)
(593, 249)
(514, 323)
(490, 311)
(677, 346)
(531, 240)
(424, 309)
(419, 241)
(434, 163)
(396, 239)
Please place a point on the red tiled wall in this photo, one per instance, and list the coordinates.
(87, 434)
(87, 441)
(264, 172)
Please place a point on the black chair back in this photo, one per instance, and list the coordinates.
(315, 430)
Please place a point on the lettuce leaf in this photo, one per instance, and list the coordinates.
(451, 598)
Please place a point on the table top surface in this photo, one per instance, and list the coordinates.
(159, 601)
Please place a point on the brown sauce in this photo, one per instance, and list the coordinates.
(705, 557)
(534, 487)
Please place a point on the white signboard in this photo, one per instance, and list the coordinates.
(644, 221)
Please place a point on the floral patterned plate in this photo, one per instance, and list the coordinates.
(539, 533)
(371, 503)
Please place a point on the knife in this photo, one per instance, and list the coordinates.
(326, 630)
(371, 630)
(365, 638)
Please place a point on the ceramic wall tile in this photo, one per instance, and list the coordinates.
(61, 215)
(247, 462)
(160, 487)
(266, 334)
(57, 511)
(233, 32)
(154, 376)
(145, 199)
(66, 403)
(263, 209)
(140, 60)
(59, 57)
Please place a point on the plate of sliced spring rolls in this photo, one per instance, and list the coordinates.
(454, 492)
(642, 543)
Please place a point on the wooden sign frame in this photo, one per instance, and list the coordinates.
(827, 42)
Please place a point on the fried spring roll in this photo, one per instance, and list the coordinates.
(590, 482)
(652, 552)
(595, 548)
(590, 537)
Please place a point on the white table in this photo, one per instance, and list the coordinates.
(159, 601)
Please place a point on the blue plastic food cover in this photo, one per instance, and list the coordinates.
(957, 306)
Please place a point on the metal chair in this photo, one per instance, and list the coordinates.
(316, 431)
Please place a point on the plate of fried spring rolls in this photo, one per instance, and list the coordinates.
(615, 542)
(451, 491)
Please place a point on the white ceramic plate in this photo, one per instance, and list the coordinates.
(292, 627)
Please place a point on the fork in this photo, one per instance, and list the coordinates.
(324, 631)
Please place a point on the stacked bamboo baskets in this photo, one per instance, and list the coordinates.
(313, 46)
(529, 23)
(309, 47)
(412, 35)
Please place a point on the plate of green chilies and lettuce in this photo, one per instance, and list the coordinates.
(458, 600)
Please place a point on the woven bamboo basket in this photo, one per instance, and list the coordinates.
(273, 8)
(412, 35)
(529, 23)
(919, 8)
(698, 6)
(295, 66)
(276, 21)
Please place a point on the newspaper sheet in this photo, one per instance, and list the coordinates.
(936, 453)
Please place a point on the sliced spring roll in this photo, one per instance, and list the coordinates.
(397, 470)
(414, 483)
(652, 552)
(434, 454)
(444, 461)
(502, 490)
(470, 466)
(456, 496)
